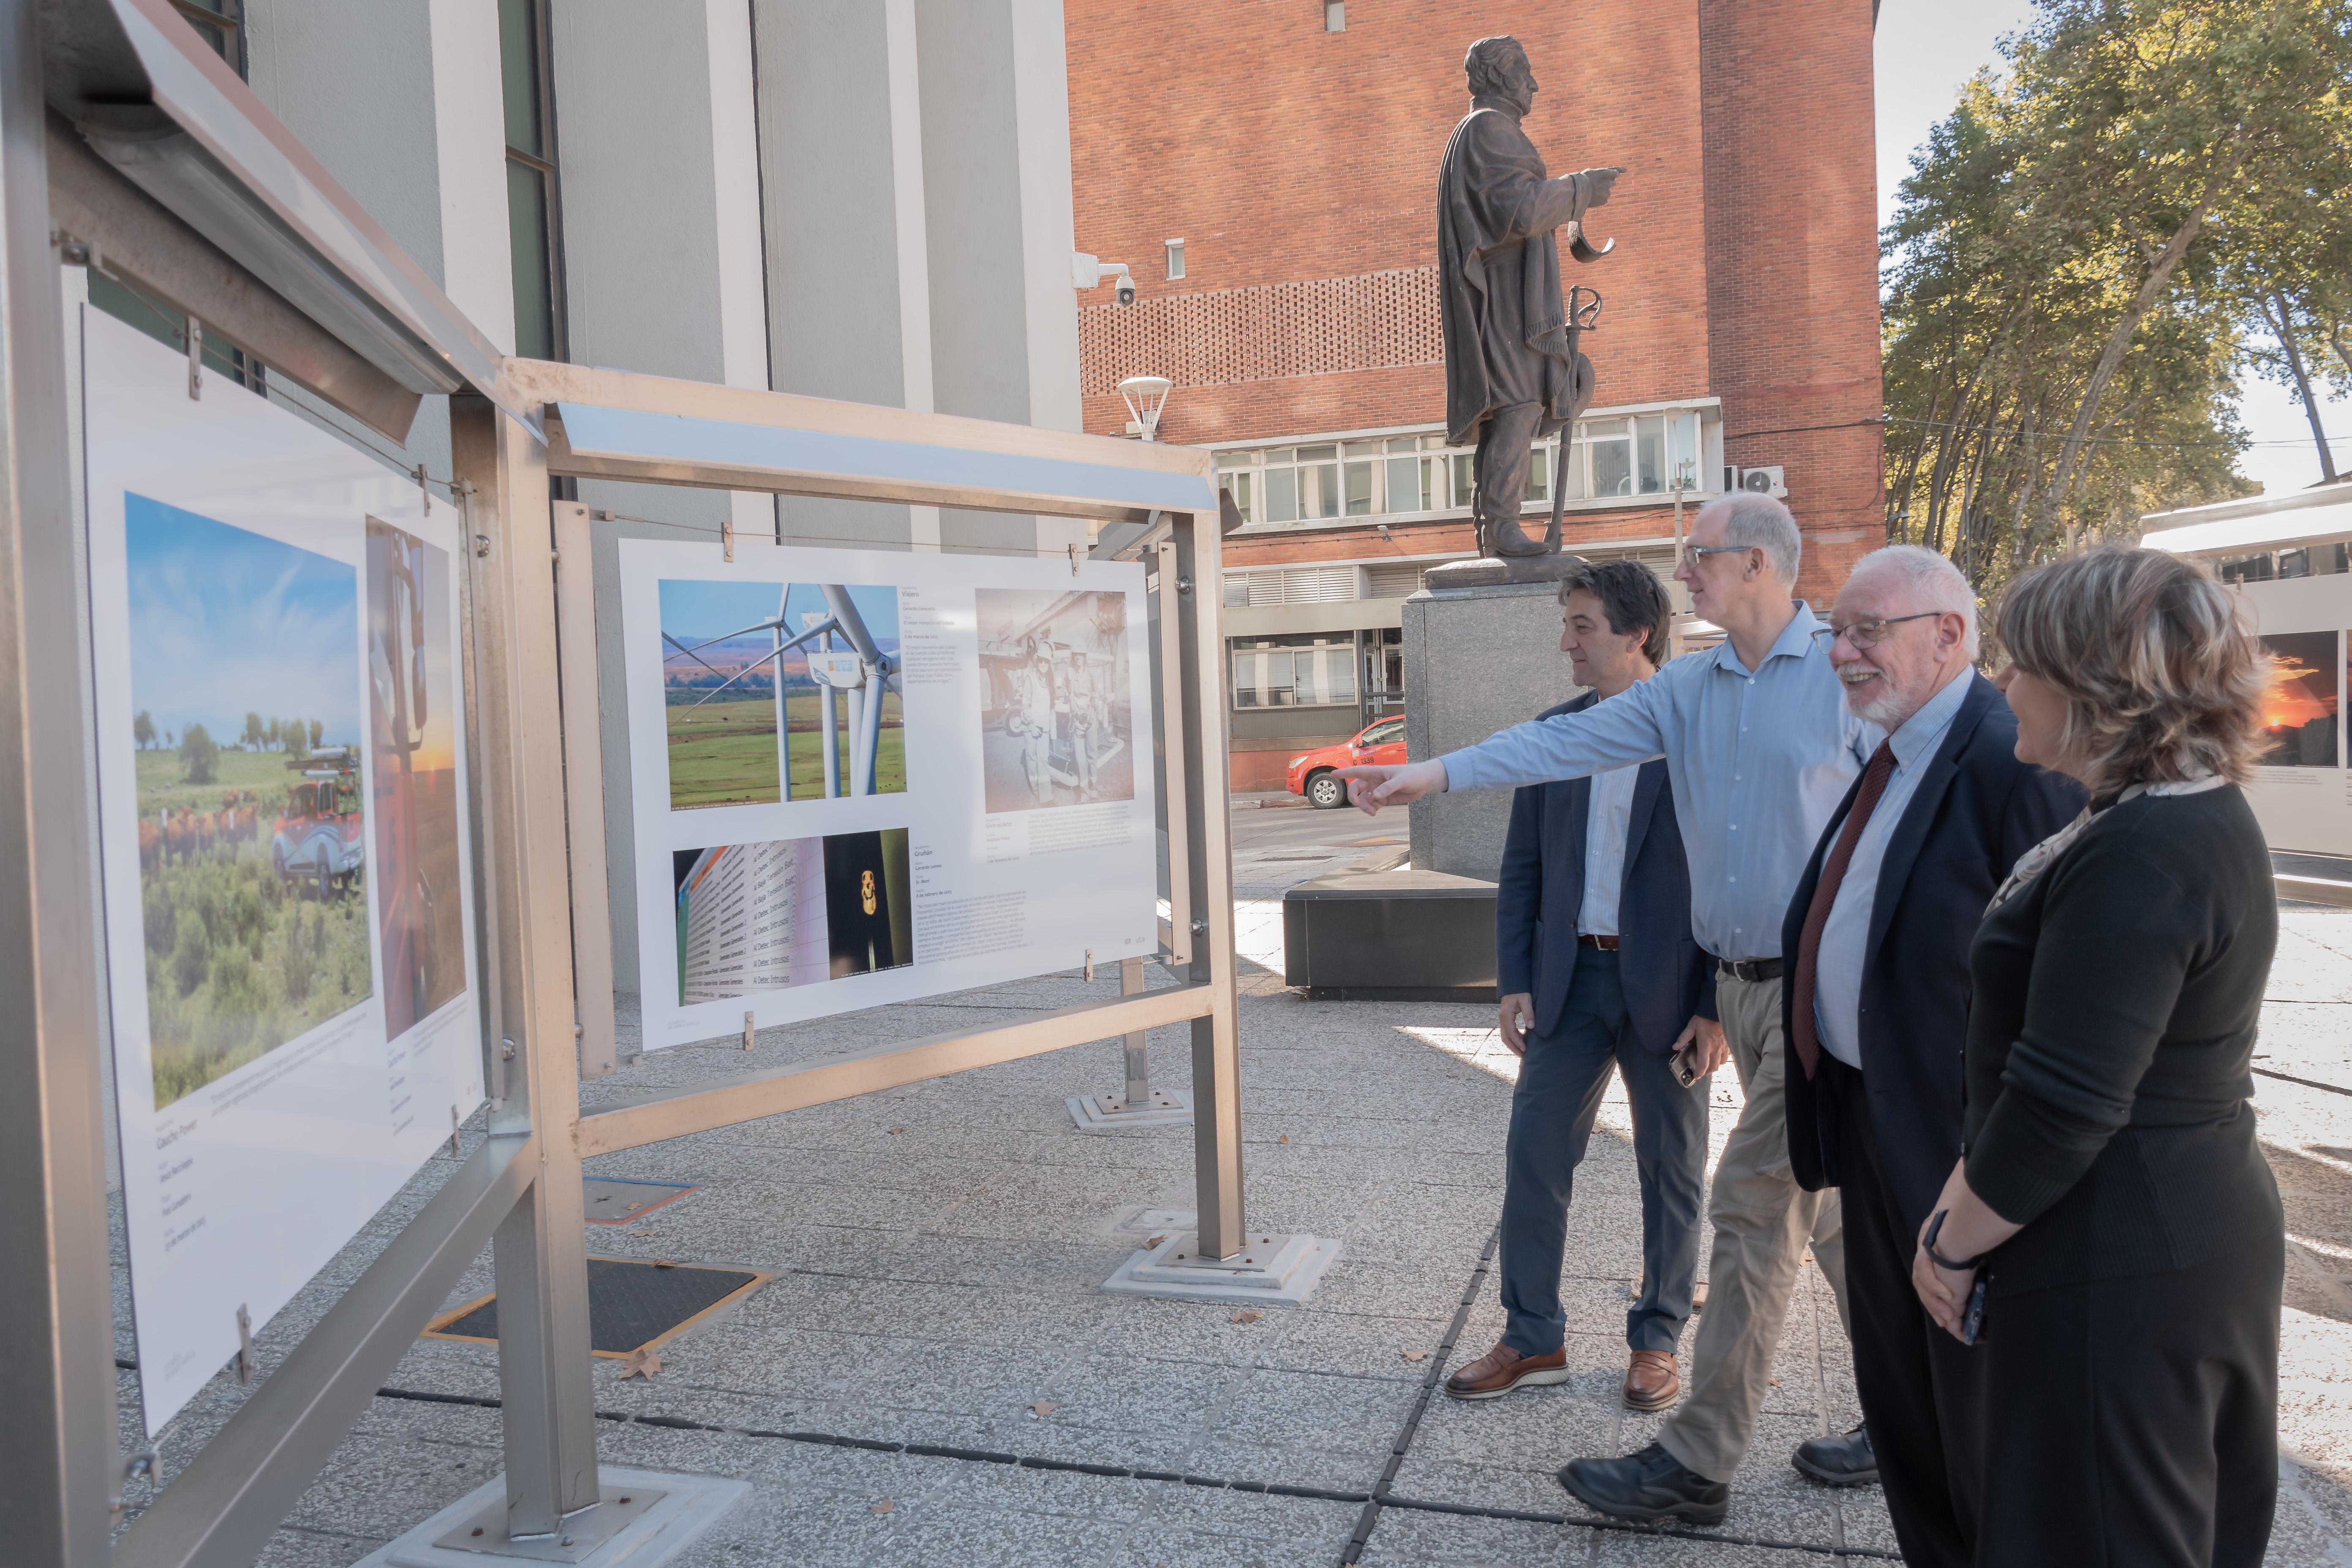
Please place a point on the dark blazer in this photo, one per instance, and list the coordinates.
(1665, 978)
(1976, 811)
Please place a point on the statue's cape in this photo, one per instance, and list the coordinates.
(1498, 274)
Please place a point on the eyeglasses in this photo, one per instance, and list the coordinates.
(1691, 553)
(1867, 634)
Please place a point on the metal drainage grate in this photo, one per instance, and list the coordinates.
(633, 1305)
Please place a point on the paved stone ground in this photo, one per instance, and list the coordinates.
(938, 1251)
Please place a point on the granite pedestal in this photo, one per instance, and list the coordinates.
(1481, 653)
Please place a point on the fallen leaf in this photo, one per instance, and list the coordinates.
(1246, 1315)
(1776, 1382)
(665, 1263)
(1283, 1138)
(644, 1232)
(1415, 1355)
(1155, 1240)
(633, 1208)
(894, 1131)
(1044, 1408)
(883, 1505)
(642, 1364)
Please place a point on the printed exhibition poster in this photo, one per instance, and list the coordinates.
(282, 821)
(861, 776)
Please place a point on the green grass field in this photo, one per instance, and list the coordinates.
(264, 773)
(724, 753)
(238, 961)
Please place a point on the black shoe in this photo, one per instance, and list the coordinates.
(1651, 1486)
(1844, 1461)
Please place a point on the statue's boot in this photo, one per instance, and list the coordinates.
(1505, 537)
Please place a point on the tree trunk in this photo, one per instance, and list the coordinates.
(2070, 456)
(2284, 325)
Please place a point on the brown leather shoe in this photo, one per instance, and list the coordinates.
(1651, 1381)
(1502, 1369)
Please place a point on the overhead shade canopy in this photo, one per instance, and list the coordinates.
(615, 425)
(2285, 528)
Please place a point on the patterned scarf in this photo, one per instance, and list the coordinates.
(2036, 860)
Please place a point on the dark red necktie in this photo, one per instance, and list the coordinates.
(1825, 892)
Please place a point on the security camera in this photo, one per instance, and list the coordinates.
(1124, 292)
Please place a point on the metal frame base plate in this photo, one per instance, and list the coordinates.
(665, 1514)
(1110, 1112)
(1274, 1270)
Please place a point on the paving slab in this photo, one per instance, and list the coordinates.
(940, 1250)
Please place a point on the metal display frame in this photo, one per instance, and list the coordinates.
(538, 812)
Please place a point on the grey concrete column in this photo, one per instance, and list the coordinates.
(841, 154)
(916, 156)
(417, 138)
(997, 210)
(658, 170)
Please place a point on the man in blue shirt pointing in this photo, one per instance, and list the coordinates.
(1760, 749)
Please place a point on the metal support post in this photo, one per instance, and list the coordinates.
(1208, 800)
(1138, 1105)
(1139, 1059)
(541, 1249)
(583, 789)
(1220, 1259)
(58, 1447)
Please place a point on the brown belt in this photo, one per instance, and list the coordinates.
(1605, 943)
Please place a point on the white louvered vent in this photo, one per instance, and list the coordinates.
(1397, 580)
(1303, 586)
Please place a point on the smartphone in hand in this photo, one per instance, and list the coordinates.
(1973, 1319)
(1686, 1065)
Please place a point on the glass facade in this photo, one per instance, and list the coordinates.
(533, 214)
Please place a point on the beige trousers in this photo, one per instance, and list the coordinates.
(1763, 1221)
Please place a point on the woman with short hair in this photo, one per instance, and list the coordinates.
(2111, 1233)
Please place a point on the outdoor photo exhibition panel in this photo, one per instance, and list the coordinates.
(863, 777)
(283, 837)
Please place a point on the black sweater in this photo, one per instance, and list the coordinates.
(2116, 1001)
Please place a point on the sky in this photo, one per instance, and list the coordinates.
(1926, 50)
(223, 621)
(694, 610)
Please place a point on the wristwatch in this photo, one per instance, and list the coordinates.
(1927, 1245)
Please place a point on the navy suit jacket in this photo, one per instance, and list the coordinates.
(1664, 976)
(1976, 811)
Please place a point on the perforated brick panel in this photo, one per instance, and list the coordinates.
(1374, 321)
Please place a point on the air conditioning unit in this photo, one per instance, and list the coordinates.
(1772, 481)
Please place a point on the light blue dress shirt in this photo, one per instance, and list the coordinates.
(1758, 760)
(1837, 979)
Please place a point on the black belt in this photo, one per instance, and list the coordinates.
(1605, 943)
(1748, 969)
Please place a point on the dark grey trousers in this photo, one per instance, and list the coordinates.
(1561, 1081)
(1506, 450)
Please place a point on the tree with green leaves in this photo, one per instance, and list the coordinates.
(2062, 323)
(199, 756)
(253, 733)
(143, 730)
(316, 729)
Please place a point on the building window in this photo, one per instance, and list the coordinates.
(1175, 259)
(221, 24)
(1294, 671)
(1634, 455)
(533, 214)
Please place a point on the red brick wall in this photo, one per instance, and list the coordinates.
(1279, 152)
(1793, 261)
(1747, 263)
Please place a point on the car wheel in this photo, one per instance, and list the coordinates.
(1325, 791)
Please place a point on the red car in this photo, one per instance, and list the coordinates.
(1311, 774)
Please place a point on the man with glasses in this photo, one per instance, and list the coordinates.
(1760, 749)
(1878, 935)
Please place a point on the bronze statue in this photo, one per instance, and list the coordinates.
(1513, 371)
